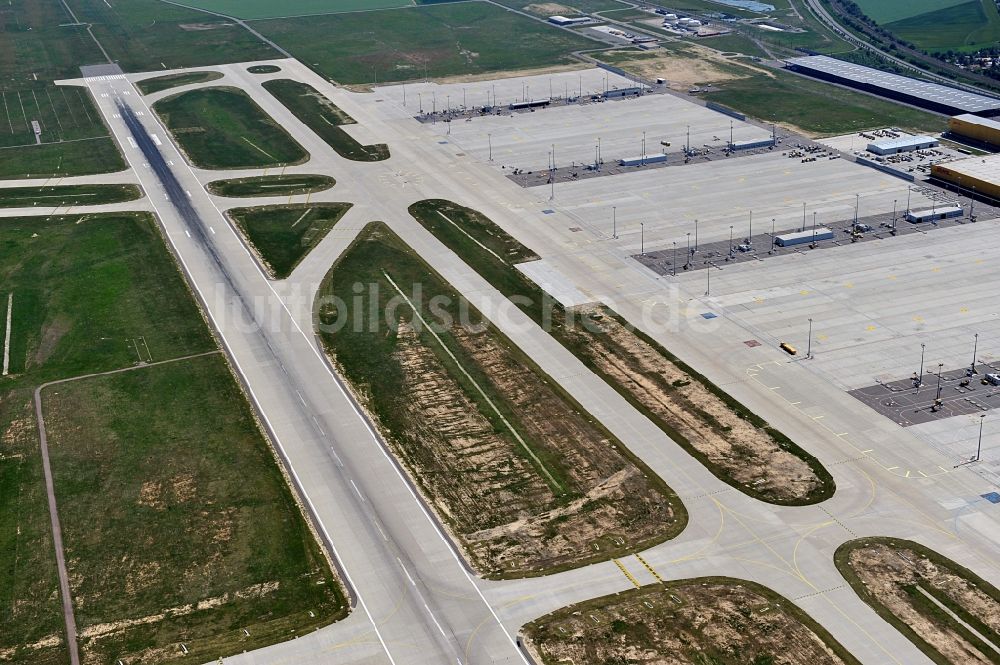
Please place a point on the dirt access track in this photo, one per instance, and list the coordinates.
(949, 612)
(704, 620)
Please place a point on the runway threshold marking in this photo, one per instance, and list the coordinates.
(630, 576)
(651, 570)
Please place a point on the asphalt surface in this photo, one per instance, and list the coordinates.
(415, 602)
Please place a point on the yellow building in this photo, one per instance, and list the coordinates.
(982, 130)
(978, 174)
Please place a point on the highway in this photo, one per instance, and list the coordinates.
(415, 601)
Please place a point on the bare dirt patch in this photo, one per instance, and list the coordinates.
(747, 455)
(899, 575)
(684, 68)
(52, 332)
(707, 620)
(201, 27)
(550, 9)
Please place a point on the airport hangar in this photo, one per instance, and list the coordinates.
(930, 96)
(977, 174)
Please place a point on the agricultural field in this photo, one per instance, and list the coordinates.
(969, 26)
(525, 479)
(74, 138)
(433, 41)
(889, 11)
(271, 185)
(950, 613)
(153, 471)
(325, 118)
(564, 8)
(158, 83)
(816, 108)
(223, 128)
(701, 621)
(732, 442)
(147, 35)
(66, 195)
(257, 9)
(282, 235)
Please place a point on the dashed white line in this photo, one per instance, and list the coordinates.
(434, 619)
(407, 573)
(357, 491)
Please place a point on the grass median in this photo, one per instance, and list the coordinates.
(325, 118)
(736, 445)
(527, 481)
(223, 128)
(67, 195)
(271, 185)
(158, 83)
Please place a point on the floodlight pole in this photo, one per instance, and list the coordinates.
(730, 238)
(696, 235)
(489, 137)
(420, 102)
(644, 148)
(938, 395)
(772, 232)
(673, 264)
(975, 347)
(730, 134)
(920, 374)
(404, 94)
(803, 215)
(614, 222)
(708, 278)
(979, 445)
(809, 344)
(687, 150)
(642, 238)
(894, 216)
(750, 234)
(464, 105)
(857, 206)
(814, 226)
(908, 190)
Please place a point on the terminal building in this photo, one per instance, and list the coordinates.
(980, 175)
(930, 96)
(981, 131)
(902, 144)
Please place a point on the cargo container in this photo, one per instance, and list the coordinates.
(639, 161)
(944, 212)
(802, 237)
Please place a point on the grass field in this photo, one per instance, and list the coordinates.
(528, 481)
(436, 40)
(75, 140)
(158, 83)
(271, 185)
(901, 580)
(701, 621)
(147, 35)
(566, 7)
(161, 512)
(282, 235)
(76, 304)
(969, 26)
(220, 128)
(89, 290)
(737, 446)
(323, 117)
(263, 69)
(256, 9)
(66, 195)
(38, 42)
(816, 107)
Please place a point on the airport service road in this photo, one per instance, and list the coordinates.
(886, 476)
(420, 605)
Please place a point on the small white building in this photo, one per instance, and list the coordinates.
(564, 21)
(902, 144)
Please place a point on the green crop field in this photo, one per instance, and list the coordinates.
(966, 27)
(220, 128)
(39, 44)
(147, 35)
(90, 294)
(271, 185)
(158, 83)
(887, 11)
(66, 195)
(255, 9)
(324, 117)
(282, 235)
(436, 40)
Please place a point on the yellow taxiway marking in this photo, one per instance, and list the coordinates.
(849, 285)
(651, 570)
(871, 328)
(631, 578)
(892, 277)
(964, 310)
(804, 292)
(935, 269)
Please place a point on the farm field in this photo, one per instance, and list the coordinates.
(158, 83)
(966, 27)
(435, 40)
(220, 128)
(282, 235)
(564, 8)
(526, 480)
(739, 448)
(271, 185)
(947, 611)
(154, 468)
(707, 620)
(66, 195)
(323, 117)
(888, 11)
(147, 35)
(39, 45)
(257, 9)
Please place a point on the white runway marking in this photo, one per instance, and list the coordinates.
(156, 139)
(6, 335)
